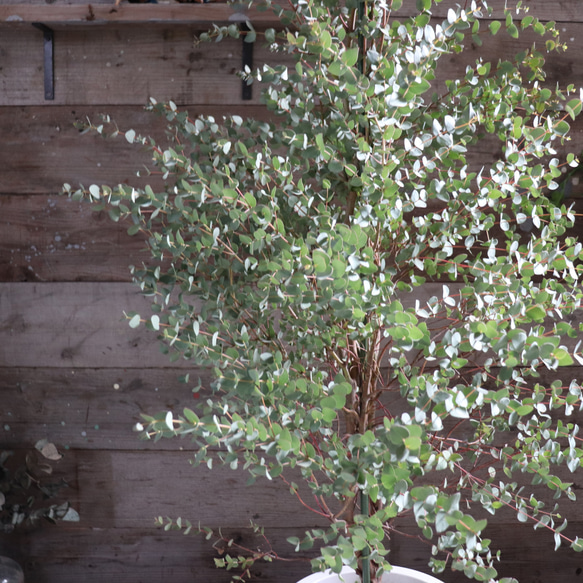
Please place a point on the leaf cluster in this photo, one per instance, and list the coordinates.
(27, 494)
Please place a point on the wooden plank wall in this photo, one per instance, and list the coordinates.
(72, 371)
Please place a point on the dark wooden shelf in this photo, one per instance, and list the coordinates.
(99, 14)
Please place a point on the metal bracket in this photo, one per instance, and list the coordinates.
(246, 89)
(49, 59)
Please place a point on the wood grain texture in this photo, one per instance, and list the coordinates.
(50, 238)
(74, 325)
(44, 238)
(90, 408)
(79, 408)
(100, 12)
(118, 493)
(94, 555)
(118, 65)
(69, 555)
(42, 148)
(127, 489)
(82, 325)
(76, 11)
(53, 238)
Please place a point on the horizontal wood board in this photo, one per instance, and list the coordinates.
(51, 238)
(97, 408)
(150, 555)
(57, 239)
(70, 553)
(124, 65)
(75, 325)
(43, 148)
(143, 556)
(128, 489)
(72, 325)
(100, 13)
(119, 493)
(92, 408)
(118, 65)
(76, 11)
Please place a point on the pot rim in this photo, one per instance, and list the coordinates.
(418, 575)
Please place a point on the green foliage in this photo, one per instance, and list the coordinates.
(378, 309)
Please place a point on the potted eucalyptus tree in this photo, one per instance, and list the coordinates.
(375, 304)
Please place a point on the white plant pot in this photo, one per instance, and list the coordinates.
(396, 575)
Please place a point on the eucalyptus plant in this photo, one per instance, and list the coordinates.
(375, 303)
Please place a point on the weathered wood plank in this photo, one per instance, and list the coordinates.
(96, 408)
(53, 238)
(42, 148)
(49, 238)
(127, 489)
(76, 11)
(122, 489)
(118, 491)
(99, 13)
(67, 554)
(74, 325)
(90, 408)
(82, 325)
(134, 556)
(125, 65)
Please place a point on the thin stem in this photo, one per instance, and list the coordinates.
(365, 553)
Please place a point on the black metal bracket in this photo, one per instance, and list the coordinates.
(49, 59)
(246, 89)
